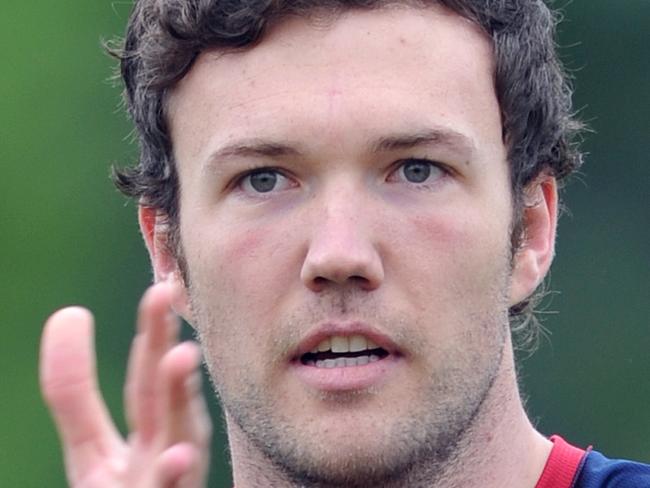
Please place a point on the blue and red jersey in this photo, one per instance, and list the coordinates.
(571, 467)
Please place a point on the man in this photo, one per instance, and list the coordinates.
(349, 202)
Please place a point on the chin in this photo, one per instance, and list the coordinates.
(353, 461)
(354, 449)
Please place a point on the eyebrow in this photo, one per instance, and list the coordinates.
(254, 148)
(430, 137)
(262, 148)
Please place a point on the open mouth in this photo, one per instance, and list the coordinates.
(343, 352)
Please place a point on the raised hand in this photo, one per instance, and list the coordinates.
(170, 430)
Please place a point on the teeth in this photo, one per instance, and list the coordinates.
(343, 362)
(338, 344)
(358, 343)
(340, 363)
(362, 360)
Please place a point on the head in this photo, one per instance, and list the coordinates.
(164, 39)
(380, 173)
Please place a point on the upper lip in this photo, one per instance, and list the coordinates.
(345, 329)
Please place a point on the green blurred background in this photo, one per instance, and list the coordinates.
(67, 237)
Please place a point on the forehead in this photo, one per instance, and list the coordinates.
(397, 62)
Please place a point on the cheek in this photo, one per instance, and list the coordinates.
(447, 238)
(244, 247)
(243, 268)
(457, 277)
(226, 272)
(441, 232)
(459, 254)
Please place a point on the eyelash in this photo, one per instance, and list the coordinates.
(241, 179)
(435, 165)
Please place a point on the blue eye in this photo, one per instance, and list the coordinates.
(416, 171)
(264, 180)
(419, 171)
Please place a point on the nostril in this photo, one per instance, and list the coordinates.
(360, 282)
(321, 282)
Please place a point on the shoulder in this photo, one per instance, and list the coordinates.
(599, 471)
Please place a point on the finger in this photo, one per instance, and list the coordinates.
(200, 429)
(181, 382)
(174, 465)
(68, 380)
(186, 416)
(130, 404)
(157, 331)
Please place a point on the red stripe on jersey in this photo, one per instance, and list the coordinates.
(561, 466)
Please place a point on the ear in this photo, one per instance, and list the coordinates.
(533, 258)
(163, 261)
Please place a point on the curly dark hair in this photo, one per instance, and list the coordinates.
(165, 37)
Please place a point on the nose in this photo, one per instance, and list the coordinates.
(342, 250)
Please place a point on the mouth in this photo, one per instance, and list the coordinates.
(340, 351)
(343, 357)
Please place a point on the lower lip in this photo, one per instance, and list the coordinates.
(348, 378)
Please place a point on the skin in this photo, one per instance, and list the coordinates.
(168, 422)
(344, 238)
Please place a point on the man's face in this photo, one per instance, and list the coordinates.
(344, 216)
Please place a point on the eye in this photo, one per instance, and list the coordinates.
(417, 171)
(264, 180)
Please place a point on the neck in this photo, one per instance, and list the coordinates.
(501, 448)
